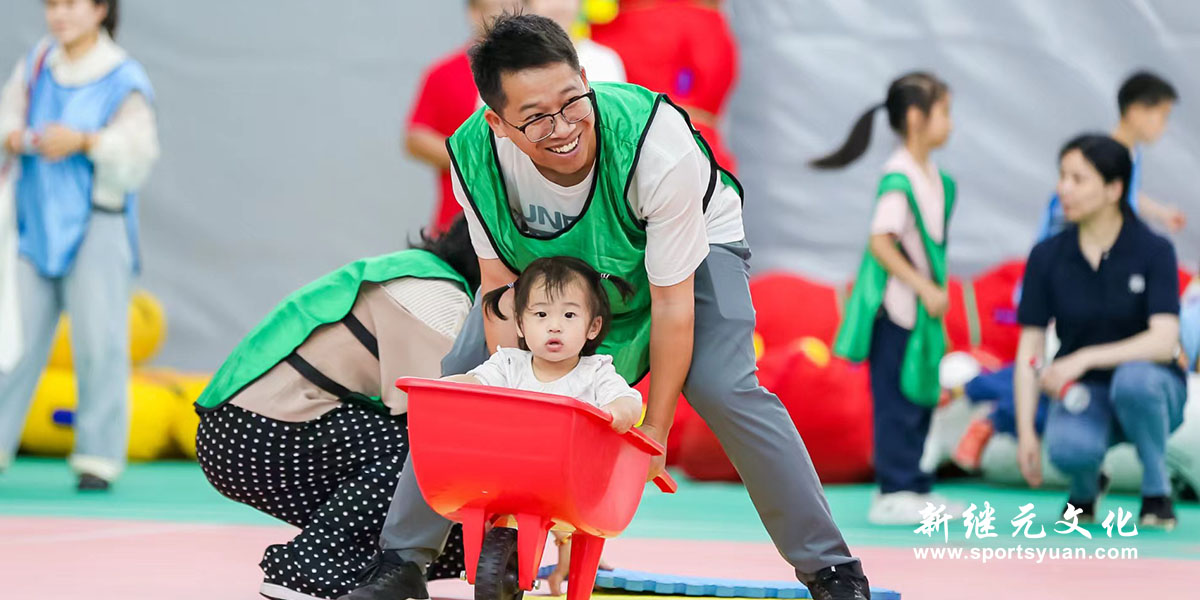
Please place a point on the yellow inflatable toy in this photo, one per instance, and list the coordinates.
(147, 330)
(600, 11)
(815, 350)
(48, 428)
(594, 11)
(758, 346)
(184, 420)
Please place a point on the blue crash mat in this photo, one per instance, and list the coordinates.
(622, 580)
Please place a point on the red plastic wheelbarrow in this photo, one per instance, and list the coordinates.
(491, 458)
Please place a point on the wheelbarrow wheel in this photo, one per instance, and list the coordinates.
(496, 576)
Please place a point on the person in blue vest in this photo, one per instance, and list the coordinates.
(77, 117)
(1189, 326)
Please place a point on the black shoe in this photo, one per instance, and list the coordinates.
(833, 583)
(1157, 511)
(91, 483)
(389, 577)
(1087, 510)
(1088, 516)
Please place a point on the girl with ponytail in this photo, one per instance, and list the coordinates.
(894, 316)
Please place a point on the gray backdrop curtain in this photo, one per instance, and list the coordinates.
(280, 127)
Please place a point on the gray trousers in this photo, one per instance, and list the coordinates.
(95, 294)
(751, 423)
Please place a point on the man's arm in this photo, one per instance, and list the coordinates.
(672, 325)
(427, 146)
(1164, 214)
(493, 274)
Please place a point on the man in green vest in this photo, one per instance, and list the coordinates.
(615, 175)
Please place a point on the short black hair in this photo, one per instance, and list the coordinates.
(554, 274)
(1145, 88)
(514, 42)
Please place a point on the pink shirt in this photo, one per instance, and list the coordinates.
(892, 216)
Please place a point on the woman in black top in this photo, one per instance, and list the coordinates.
(1111, 287)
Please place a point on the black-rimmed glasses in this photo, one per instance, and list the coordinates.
(575, 110)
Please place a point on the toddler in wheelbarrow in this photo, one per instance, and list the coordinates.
(549, 444)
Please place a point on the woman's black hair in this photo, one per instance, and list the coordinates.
(454, 247)
(1110, 158)
(110, 20)
(919, 89)
(554, 274)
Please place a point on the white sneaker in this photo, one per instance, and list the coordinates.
(896, 508)
(279, 592)
(904, 508)
(954, 508)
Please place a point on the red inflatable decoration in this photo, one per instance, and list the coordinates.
(982, 315)
(790, 307)
(683, 49)
(831, 407)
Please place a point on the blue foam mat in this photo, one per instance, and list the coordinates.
(675, 585)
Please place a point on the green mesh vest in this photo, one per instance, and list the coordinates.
(606, 234)
(326, 300)
(927, 344)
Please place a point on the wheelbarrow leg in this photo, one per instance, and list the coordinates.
(473, 529)
(585, 559)
(531, 542)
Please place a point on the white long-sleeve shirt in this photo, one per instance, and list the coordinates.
(124, 150)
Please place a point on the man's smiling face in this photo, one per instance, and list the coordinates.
(567, 153)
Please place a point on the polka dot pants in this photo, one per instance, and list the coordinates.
(332, 477)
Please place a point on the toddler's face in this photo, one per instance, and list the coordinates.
(556, 328)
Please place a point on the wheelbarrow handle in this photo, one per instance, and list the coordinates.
(666, 484)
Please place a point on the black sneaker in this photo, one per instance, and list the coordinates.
(1157, 511)
(1088, 516)
(389, 577)
(92, 483)
(832, 583)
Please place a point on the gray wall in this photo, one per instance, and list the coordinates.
(280, 129)
(1025, 74)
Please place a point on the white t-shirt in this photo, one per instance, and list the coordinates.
(667, 192)
(594, 380)
(893, 216)
(599, 61)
